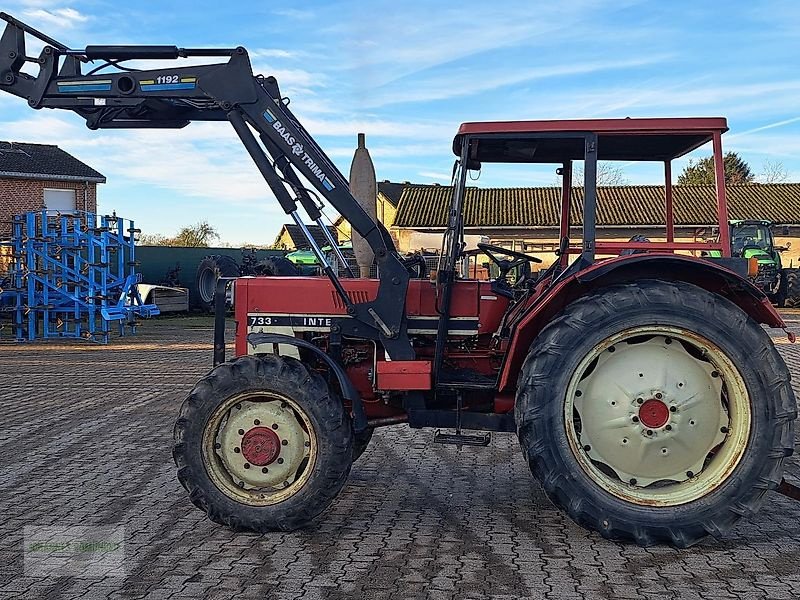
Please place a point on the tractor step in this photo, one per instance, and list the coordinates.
(461, 439)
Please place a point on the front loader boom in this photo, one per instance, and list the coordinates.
(112, 95)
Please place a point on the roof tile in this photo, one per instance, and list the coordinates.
(426, 206)
(42, 161)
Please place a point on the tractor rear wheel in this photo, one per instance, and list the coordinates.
(263, 444)
(655, 412)
(210, 269)
(791, 285)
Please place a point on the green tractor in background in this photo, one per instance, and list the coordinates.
(753, 238)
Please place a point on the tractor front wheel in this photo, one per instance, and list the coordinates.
(655, 411)
(263, 444)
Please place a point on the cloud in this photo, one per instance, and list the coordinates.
(56, 17)
(443, 178)
(465, 82)
(274, 53)
(781, 123)
(294, 13)
(349, 126)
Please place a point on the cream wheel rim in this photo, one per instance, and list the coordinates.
(657, 415)
(259, 448)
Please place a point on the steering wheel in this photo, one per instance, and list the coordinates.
(503, 264)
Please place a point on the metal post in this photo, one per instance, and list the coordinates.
(589, 198)
(566, 188)
(722, 202)
(668, 201)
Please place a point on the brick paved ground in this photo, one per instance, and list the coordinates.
(86, 436)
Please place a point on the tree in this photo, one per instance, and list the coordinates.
(773, 171)
(607, 175)
(199, 235)
(737, 171)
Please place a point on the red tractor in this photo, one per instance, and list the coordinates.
(648, 400)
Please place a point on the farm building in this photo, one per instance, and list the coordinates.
(38, 176)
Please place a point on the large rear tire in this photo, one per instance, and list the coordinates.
(655, 412)
(263, 444)
(210, 269)
(792, 287)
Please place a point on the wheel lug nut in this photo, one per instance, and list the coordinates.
(280, 461)
(668, 427)
(217, 446)
(715, 373)
(659, 395)
(578, 393)
(649, 432)
(241, 432)
(307, 444)
(265, 470)
(256, 422)
(635, 419)
(633, 481)
(274, 425)
(237, 450)
(587, 447)
(673, 408)
(284, 442)
(611, 349)
(689, 474)
(639, 400)
(246, 465)
(724, 430)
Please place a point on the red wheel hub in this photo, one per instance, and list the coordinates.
(653, 414)
(260, 446)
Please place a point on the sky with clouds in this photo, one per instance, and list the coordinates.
(408, 73)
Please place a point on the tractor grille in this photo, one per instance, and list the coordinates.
(357, 296)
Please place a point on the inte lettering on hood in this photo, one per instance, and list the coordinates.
(297, 150)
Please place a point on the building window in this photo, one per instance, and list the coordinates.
(59, 200)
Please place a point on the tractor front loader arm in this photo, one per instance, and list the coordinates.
(94, 83)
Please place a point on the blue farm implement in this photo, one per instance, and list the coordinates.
(72, 275)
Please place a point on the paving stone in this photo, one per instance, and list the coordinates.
(415, 521)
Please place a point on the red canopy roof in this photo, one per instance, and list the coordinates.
(618, 139)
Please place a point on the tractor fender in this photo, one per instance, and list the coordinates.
(669, 267)
(349, 391)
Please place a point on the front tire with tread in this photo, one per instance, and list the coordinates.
(283, 376)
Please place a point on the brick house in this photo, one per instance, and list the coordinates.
(37, 176)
